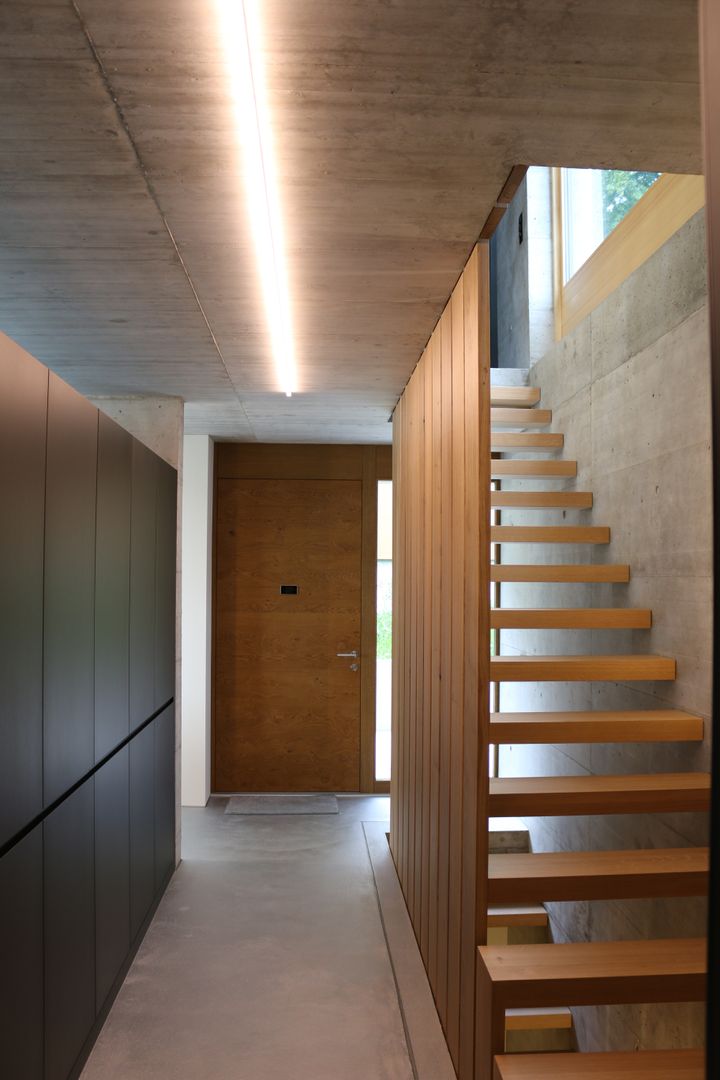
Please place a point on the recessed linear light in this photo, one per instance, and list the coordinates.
(240, 32)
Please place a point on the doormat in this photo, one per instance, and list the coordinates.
(282, 804)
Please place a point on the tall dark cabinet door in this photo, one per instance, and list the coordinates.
(69, 931)
(112, 871)
(164, 795)
(112, 586)
(69, 588)
(165, 577)
(21, 948)
(23, 423)
(142, 585)
(142, 826)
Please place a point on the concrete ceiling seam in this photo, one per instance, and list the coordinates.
(395, 126)
(151, 191)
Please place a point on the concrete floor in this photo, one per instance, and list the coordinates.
(266, 959)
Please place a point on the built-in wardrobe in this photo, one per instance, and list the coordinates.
(87, 729)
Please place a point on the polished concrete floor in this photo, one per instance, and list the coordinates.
(266, 959)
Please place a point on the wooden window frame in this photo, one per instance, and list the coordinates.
(664, 208)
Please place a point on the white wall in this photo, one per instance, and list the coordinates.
(197, 496)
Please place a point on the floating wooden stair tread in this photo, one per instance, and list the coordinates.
(652, 725)
(597, 972)
(500, 468)
(520, 417)
(545, 796)
(526, 440)
(597, 875)
(543, 500)
(584, 973)
(570, 618)
(516, 915)
(549, 534)
(637, 1065)
(560, 572)
(517, 396)
(547, 1019)
(623, 668)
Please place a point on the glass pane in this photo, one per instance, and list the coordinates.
(594, 202)
(383, 699)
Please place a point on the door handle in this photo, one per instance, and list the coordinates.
(353, 653)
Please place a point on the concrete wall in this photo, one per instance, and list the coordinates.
(629, 388)
(510, 267)
(524, 323)
(155, 421)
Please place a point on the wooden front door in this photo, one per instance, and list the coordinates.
(287, 601)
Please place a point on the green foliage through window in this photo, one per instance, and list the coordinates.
(621, 190)
(384, 635)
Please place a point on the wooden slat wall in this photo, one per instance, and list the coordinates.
(441, 468)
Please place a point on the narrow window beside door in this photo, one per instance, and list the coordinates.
(384, 632)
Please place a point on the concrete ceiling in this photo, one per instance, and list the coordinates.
(126, 262)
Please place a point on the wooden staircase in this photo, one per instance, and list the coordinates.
(520, 980)
(649, 1065)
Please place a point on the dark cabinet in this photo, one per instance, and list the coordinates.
(87, 657)
(21, 948)
(112, 586)
(69, 588)
(142, 826)
(142, 584)
(165, 585)
(112, 871)
(164, 795)
(69, 930)
(23, 418)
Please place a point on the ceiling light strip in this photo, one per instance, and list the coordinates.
(241, 38)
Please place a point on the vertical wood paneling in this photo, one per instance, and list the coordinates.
(406, 702)
(434, 655)
(445, 622)
(424, 608)
(476, 324)
(441, 651)
(419, 647)
(414, 422)
(457, 671)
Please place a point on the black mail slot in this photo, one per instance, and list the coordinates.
(288, 590)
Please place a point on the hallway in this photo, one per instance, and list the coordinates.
(266, 959)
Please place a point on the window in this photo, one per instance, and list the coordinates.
(594, 202)
(605, 224)
(383, 694)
